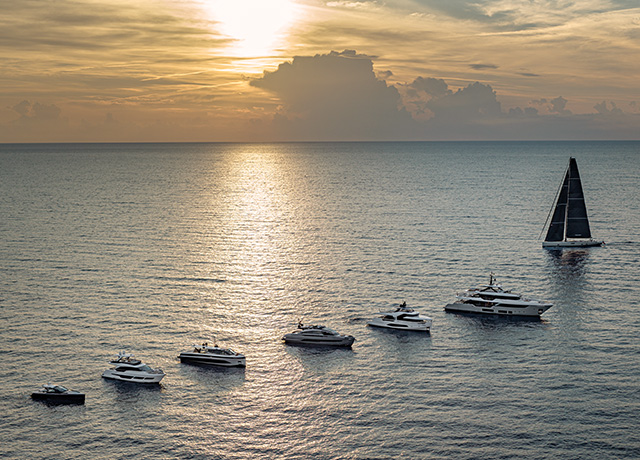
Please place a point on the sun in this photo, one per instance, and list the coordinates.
(256, 27)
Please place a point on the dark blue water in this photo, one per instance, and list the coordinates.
(154, 247)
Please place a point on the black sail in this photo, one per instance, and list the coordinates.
(556, 227)
(577, 221)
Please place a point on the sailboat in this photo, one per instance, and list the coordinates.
(569, 227)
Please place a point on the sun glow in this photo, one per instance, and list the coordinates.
(257, 27)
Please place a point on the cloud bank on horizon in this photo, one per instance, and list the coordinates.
(337, 96)
(119, 84)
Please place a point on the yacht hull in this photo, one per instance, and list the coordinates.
(296, 339)
(136, 377)
(198, 358)
(63, 398)
(572, 244)
(504, 310)
(403, 326)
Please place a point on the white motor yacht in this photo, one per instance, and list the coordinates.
(129, 369)
(491, 299)
(319, 336)
(213, 355)
(404, 318)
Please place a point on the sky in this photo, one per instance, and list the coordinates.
(307, 70)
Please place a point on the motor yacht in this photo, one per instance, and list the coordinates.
(213, 355)
(129, 369)
(318, 336)
(404, 318)
(492, 299)
(57, 394)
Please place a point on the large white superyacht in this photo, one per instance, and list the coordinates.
(491, 299)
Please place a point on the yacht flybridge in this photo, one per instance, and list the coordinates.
(318, 336)
(403, 318)
(491, 299)
(129, 369)
(213, 355)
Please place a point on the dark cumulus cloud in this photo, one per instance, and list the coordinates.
(472, 102)
(335, 95)
(603, 109)
(435, 87)
(556, 105)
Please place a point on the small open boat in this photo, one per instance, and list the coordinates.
(57, 394)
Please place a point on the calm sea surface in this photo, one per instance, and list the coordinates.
(151, 248)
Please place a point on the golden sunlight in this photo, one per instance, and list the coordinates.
(256, 26)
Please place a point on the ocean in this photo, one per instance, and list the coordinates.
(151, 248)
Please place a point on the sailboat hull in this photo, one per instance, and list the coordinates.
(572, 243)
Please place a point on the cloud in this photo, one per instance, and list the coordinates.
(432, 86)
(558, 106)
(352, 5)
(335, 96)
(474, 112)
(22, 108)
(507, 15)
(517, 112)
(483, 66)
(603, 110)
(37, 122)
(472, 102)
(417, 95)
(325, 97)
(37, 111)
